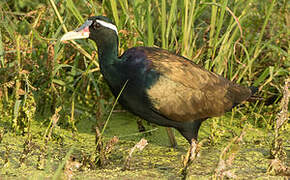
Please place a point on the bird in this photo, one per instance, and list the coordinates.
(160, 87)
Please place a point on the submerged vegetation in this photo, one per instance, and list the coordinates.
(58, 118)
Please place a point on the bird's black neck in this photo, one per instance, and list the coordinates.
(108, 53)
(108, 57)
(107, 48)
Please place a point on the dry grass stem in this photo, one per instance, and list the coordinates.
(140, 145)
(227, 156)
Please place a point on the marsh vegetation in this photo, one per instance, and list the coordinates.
(52, 95)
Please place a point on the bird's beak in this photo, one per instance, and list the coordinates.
(82, 32)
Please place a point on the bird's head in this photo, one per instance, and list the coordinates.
(96, 28)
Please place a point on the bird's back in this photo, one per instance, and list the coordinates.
(176, 87)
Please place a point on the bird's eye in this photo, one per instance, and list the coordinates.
(96, 25)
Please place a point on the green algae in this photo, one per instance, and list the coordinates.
(157, 160)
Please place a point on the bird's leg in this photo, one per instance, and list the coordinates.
(141, 127)
(171, 137)
(190, 156)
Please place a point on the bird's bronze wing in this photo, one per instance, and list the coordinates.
(187, 92)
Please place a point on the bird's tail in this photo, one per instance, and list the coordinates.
(254, 98)
(253, 89)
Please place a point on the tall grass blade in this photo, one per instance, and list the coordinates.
(115, 12)
(1, 51)
(163, 23)
(261, 34)
(219, 24)
(212, 28)
(110, 114)
(71, 6)
(58, 15)
(150, 34)
(262, 77)
(171, 19)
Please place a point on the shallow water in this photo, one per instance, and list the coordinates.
(157, 160)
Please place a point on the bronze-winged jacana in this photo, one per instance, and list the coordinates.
(162, 87)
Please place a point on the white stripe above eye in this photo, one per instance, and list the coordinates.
(108, 25)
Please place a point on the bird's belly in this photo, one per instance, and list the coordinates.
(144, 111)
(135, 101)
(181, 103)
